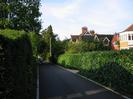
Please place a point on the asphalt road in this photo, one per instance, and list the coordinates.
(57, 83)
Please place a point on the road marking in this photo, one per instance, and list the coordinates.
(58, 97)
(92, 92)
(77, 95)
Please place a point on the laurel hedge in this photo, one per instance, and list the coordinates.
(16, 66)
(111, 68)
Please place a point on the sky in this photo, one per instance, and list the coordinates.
(68, 16)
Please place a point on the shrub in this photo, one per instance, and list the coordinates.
(39, 46)
(114, 69)
(16, 66)
(86, 46)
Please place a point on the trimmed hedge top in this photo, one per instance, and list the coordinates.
(11, 34)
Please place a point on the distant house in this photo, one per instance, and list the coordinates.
(92, 36)
(126, 38)
(115, 42)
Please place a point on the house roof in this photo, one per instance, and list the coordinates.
(130, 28)
(103, 36)
(90, 37)
(86, 33)
(87, 37)
(74, 36)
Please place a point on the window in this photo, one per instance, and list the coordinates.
(106, 42)
(96, 38)
(126, 37)
(129, 37)
(132, 36)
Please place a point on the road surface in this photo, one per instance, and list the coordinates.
(57, 83)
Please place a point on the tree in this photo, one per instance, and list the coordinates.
(20, 15)
(49, 38)
(57, 46)
(48, 34)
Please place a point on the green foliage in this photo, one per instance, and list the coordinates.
(58, 48)
(48, 34)
(56, 45)
(12, 34)
(20, 15)
(41, 47)
(17, 69)
(85, 46)
(35, 41)
(114, 69)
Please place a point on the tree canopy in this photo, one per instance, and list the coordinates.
(52, 44)
(20, 15)
(48, 34)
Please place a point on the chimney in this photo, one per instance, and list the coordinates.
(84, 29)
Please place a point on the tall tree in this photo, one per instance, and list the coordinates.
(48, 34)
(20, 15)
(57, 47)
(50, 39)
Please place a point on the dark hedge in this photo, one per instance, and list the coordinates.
(16, 66)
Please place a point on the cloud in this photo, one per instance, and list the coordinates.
(107, 16)
(68, 17)
(63, 10)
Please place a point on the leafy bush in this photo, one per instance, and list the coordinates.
(85, 46)
(35, 41)
(16, 66)
(114, 69)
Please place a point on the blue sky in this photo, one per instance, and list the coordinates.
(104, 16)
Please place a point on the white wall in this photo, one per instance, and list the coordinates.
(124, 37)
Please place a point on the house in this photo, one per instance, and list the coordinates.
(92, 36)
(115, 42)
(106, 39)
(126, 38)
(84, 35)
